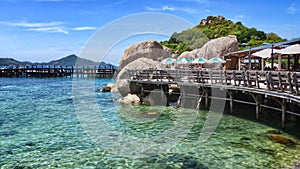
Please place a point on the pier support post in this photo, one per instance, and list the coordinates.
(283, 113)
(190, 96)
(165, 89)
(230, 101)
(258, 105)
(258, 100)
(206, 98)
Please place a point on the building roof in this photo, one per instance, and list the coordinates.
(278, 45)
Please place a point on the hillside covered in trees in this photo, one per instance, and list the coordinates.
(215, 27)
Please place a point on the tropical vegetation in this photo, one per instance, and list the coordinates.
(215, 27)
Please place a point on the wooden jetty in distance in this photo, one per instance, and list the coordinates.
(276, 91)
(58, 71)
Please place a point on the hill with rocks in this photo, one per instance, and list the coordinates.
(215, 27)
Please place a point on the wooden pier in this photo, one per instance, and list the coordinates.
(57, 71)
(273, 90)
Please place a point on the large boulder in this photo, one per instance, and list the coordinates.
(148, 49)
(214, 48)
(130, 99)
(139, 64)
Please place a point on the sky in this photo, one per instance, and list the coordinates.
(45, 30)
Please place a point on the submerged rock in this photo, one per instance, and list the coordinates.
(283, 140)
(274, 132)
(8, 133)
(105, 89)
(30, 144)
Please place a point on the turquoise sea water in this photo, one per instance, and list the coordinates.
(39, 128)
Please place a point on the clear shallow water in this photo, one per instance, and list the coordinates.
(39, 128)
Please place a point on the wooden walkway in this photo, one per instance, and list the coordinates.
(279, 87)
(278, 81)
(57, 71)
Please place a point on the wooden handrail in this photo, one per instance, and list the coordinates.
(281, 81)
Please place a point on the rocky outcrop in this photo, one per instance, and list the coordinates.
(110, 87)
(214, 48)
(148, 49)
(208, 20)
(129, 99)
(139, 64)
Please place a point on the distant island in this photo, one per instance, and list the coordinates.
(65, 61)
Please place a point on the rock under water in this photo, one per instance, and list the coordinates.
(283, 140)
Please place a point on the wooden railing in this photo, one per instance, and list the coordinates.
(281, 81)
(56, 71)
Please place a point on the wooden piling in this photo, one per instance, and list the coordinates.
(283, 113)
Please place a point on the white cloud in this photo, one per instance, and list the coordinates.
(115, 3)
(49, 0)
(197, 1)
(208, 11)
(163, 8)
(84, 28)
(188, 10)
(32, 25)
(50, 27)
(292, 9)
(171, 8)
(49, 30)
(238, 18)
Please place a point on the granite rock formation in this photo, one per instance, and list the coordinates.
(138, 64)
(214, 48)
(148, 49)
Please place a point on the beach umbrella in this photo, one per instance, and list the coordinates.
(168, 61)
(184, 60)
(200, 60)
(216, 60)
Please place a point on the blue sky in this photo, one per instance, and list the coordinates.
(44, 30)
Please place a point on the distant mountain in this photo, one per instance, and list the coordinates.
(68, 60)
(11, 61)
(71, 60)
